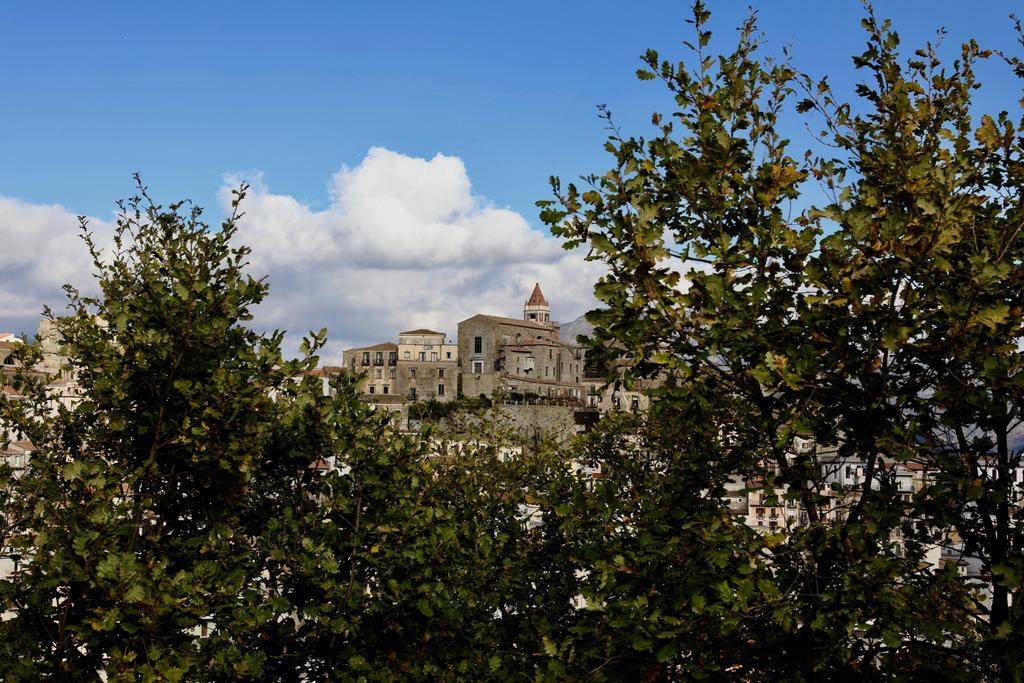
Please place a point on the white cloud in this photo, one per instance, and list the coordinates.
(40, 251)
(404, 243)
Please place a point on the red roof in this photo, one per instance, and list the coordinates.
(537, 298)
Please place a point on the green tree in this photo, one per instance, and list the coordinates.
(208, 512)
(129, 514)
(884, 325)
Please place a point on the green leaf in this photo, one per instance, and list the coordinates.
(991, 317)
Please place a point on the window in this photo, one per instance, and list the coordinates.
(433, 356)
(448, 354)
(412, 372)
(384, 389)
(440, 390)
(391, 373)
(440, 373)
(373, 389)
(366, 357)
(478, 366)
(392, 357)
(378, 373)
(478, 344)
(378, 359)
(412, 392)
(406, 355)
(423, 355)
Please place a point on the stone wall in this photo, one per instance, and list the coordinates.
(534, 422)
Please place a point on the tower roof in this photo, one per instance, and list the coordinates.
(537, 298)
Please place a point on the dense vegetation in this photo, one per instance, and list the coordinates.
(207, 513)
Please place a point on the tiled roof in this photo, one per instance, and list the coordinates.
(422, 330)
(18, 448)
(539, 380)
(384, 346)
(537, 298)
(514, 321)
(549, 341)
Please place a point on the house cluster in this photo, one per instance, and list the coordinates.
(524, 364)
(51, 368)
(492, 357)
(838, 490)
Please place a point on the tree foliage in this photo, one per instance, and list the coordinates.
(885, 325)
(207, 511)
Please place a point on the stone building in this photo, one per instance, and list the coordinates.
(8, 344)
(380, 363)
(609, 397)
(52, 365)
(420, 367)
(428, 366)
(525, 356)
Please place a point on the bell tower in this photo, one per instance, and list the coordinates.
(537, 309)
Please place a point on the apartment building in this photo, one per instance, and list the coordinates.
(380, 364)
(428, 366)
(422, 366)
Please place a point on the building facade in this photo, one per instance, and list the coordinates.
(428, 366)
(422, 366)
(380, 364)
(505, 355)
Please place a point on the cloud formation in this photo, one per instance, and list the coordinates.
(40, 251)
(403, 243)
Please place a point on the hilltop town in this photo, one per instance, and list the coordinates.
(526, 365)
(539, 386)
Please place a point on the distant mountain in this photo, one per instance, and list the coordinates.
(571, 330)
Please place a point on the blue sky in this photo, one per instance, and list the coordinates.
(187, 92)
